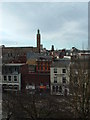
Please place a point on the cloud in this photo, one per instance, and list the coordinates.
(59, 23)
(44, 0)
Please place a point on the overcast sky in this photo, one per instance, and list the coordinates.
(61, 24)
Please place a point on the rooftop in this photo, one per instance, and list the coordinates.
(61, 63)
(14, 64)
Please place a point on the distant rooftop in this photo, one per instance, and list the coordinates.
(61, 63)
(32, 55)
(18, 47)
(14, 64)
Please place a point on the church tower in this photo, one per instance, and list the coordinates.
(38, 40)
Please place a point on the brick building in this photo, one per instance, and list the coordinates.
(43, 64)
(38, 75)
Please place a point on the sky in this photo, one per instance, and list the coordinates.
(62, 24)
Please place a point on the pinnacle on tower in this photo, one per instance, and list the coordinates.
(38, 31)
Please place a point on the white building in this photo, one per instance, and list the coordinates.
(59, 77)
(11, 77)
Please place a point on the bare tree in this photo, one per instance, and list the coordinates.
(18, 106)
(80, 88)
(7, 105)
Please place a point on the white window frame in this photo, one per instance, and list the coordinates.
(14, 78)
(8, 78)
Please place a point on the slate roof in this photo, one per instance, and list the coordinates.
(32, 55)
(61, 63)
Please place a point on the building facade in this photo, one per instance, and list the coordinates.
(59, 77)
(11, 77)
(38, 75)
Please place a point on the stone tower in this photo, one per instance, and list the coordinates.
(52, 49)
(38, 40)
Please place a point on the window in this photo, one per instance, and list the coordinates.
(4, 86)
(31, 68)
(15, 78)
(63, 79)
(60, 89)
(45, 67)
(10, 70)
(41, 67)
(5, 78)
(63, 70)
(9, 78)
(55, 70)
(10, 86)
(15, 87)
(55, 79)
(41, 84)
(8, 54)
(56, 88)
(53, 88)
(15, 69)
